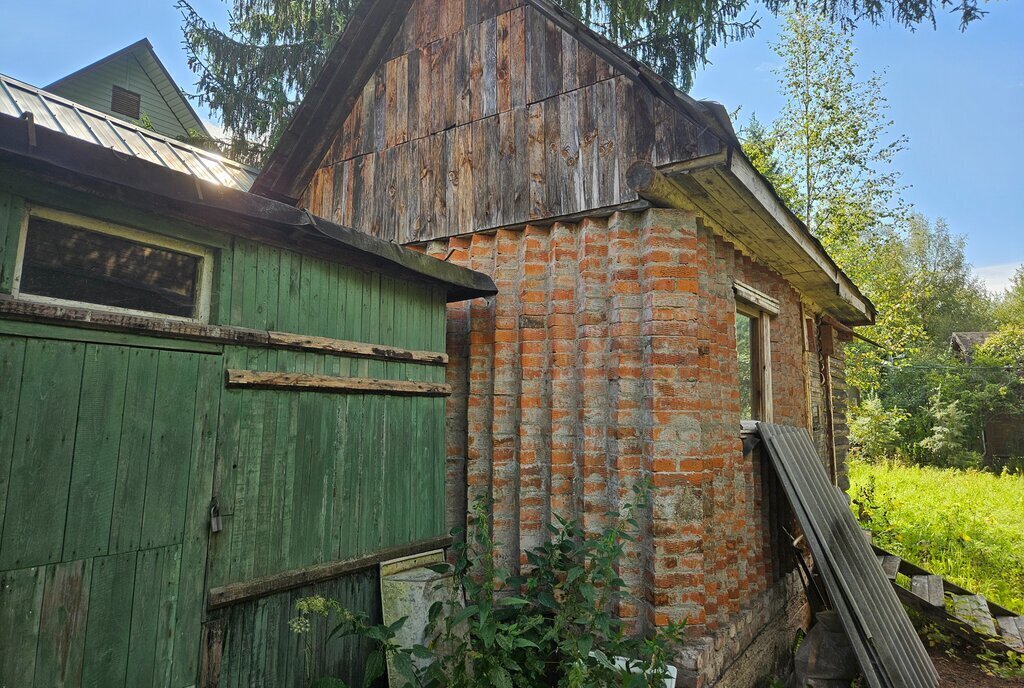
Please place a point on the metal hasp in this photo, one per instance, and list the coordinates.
(890, 652)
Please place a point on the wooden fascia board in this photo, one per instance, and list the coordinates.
(744, 173)
(318, 119)
(169, 90)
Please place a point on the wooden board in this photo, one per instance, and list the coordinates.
(338, 385)
(928, 588)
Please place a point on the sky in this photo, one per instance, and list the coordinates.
(959, 97)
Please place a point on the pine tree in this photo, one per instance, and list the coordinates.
(254, 73)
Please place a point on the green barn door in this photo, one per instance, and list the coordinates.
(105, 480)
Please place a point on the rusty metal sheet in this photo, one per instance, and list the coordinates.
(59, 114)
(890, 652)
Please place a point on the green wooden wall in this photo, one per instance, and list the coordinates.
(112, 447)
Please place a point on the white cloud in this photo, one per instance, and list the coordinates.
(997, 277)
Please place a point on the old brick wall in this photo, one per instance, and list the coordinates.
(609, 358)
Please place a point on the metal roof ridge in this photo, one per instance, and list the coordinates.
(117, 122)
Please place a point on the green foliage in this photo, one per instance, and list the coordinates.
(760, 144)
(1005, 348)
(553, 626)
(1010, 306)
(254, 72)
(1008, 665)
(556, 625)
(962, 525)
(875, 431)
(833, 134)
(947, 295)
(319, 611)
(946, 440)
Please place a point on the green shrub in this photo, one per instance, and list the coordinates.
(555, 625)
(875, 430)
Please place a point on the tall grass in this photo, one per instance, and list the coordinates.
(967, 526)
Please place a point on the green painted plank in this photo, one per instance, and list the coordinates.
(271, 285)
(97, 445)
(192, 592)
(107, 632)
(220, 294)
(62, 623)
(265, 255)
(154, 606)
(142, 651)
(167, 480)
(22, 592)
(238, 275)
(41, 467)
(134, 451)
(12, 210)
(286, 449)
(246, 518)
(330, 443)
(270, 479)
(77, 334)
(167, 616)
(12, 359)
(226, 470)
(389, 298)
(250, 293)
(334, 300)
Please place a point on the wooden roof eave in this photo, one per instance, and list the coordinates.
(53, 158)
(740, 205)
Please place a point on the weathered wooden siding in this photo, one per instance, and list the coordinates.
(489, 115)
(113, 445)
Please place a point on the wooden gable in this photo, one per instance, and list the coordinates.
(495, 114)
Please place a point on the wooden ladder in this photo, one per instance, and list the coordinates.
(950, 606)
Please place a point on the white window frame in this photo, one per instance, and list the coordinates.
(204, 254)
(761, 308)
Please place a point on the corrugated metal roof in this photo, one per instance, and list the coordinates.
(890, 652)
(67, 117)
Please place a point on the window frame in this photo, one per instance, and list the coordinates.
(761, 308)
(204, 283)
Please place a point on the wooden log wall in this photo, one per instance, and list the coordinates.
(487, 115)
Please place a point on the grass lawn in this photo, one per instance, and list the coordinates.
(967, 526)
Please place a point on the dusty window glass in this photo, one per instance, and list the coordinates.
(746, 343)
(75, 264)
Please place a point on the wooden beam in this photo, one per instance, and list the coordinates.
(650, 184)
(86, 318)
(339, 385)
(289, 580)
(756, 298)
(341, 347)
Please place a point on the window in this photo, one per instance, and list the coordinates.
(125, 102)
(69, 260)
(753, 349)
(746, 349)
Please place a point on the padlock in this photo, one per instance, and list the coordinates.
(216, 524)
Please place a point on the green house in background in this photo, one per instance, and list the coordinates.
(211, 404)
(129, 84)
